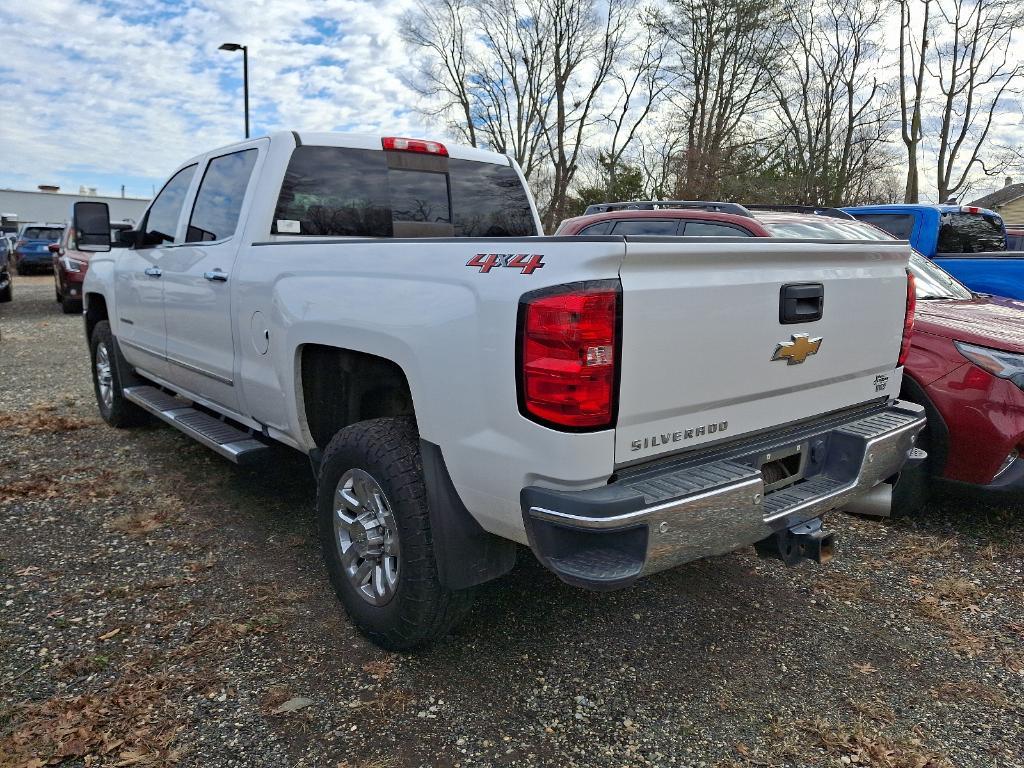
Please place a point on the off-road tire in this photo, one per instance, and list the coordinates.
(421, 610)
(120, 413)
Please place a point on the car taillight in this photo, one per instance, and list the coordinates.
(398, 144)
(908, 318)
(568, 350)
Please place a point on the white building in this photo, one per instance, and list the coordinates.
(49, 205)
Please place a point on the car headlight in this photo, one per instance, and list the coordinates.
(72, 265)
(1005, 365)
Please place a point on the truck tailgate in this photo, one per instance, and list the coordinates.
(701, 325)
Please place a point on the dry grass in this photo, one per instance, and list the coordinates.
(42, 419)
(380, 669)
(95, 484)
(970, 690)
(823, 742)
(139, 523)
(133, 722)
(31, 488)
(919, 550)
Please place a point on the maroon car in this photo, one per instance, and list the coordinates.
(71, 264)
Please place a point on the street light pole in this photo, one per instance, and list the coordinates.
(245, 75)
(245, 85)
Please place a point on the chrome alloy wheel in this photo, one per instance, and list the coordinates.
(366, 535)
(104, 376)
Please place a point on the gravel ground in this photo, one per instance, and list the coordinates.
(160, 606)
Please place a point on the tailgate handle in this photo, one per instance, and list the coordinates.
(801, 302)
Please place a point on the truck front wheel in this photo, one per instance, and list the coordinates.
(375, 530)
(108, 383)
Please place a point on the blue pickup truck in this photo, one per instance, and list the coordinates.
(968, 242)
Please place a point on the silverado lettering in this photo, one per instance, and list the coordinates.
(679, 435)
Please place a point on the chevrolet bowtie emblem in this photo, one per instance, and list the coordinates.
(799, 349)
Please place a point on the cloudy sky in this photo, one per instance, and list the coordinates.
(112, 92)
(109, 92)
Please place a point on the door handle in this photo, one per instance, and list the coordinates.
(154, 271)
(216, 276)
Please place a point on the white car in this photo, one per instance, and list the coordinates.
(462, 385)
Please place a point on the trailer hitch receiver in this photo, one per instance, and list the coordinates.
(804, 541)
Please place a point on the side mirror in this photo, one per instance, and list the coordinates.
(53, 247)
(92, 226)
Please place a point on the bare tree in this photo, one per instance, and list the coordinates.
(835, 111)
(724, 53)
(658, 147)
(437, 29)
(512, 80)
(584, 45)
(640, 85)
(533, 78)
(484, 70)
(914, 41)
(975, 72)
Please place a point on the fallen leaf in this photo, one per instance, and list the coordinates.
(293, 705)
(110, 634)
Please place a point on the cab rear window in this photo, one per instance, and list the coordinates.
(42, 233)
(343, 192)
(970, 233)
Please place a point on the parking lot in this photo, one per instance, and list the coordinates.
(162, 606)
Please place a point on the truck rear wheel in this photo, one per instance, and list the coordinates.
(375, 531)
(108, 383)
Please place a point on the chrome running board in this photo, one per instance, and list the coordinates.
(230, 442)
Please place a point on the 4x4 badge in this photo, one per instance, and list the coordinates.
(527, 263)
(799, 349)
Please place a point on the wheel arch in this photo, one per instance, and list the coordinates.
(94, 310)
(337, 387)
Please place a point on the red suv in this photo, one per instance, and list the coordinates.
(966, 361)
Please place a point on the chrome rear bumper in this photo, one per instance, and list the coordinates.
(660, 516)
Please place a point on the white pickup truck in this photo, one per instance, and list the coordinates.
(463, 385)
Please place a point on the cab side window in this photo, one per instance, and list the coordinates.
(162, 219)
(712, 229)
(899, 225)
(601, 228)
(649, 227)
(219, 201)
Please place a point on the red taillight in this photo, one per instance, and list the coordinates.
(395, 143)
(569, 344)
(908, 319)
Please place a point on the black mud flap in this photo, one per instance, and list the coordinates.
(466, 554)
